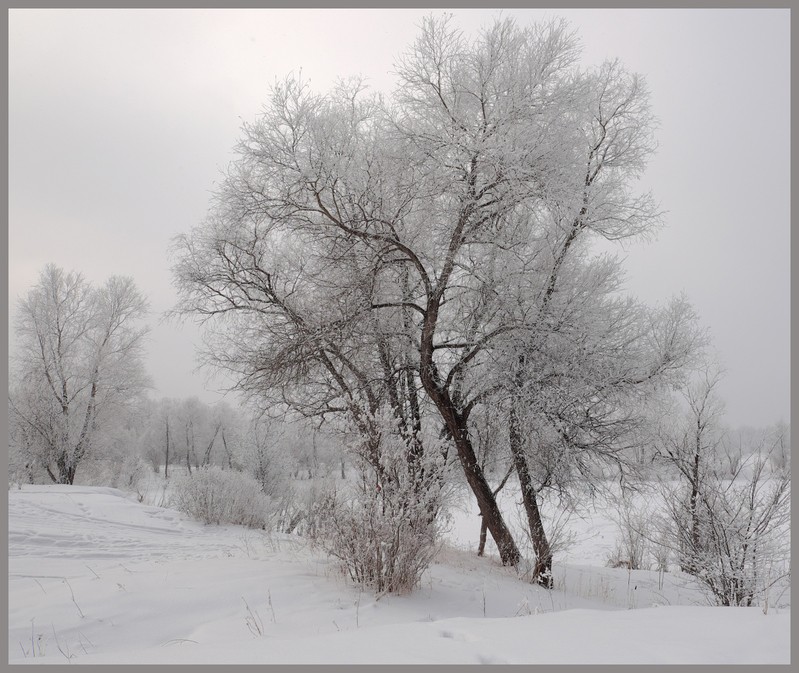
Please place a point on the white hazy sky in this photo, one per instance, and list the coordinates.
(120, 121)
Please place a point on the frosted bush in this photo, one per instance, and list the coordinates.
(132, 473)
(742, 546)
(383, 545)
(385, 530)
(112, 468)
(23, 469)
(632, 543)
(267, 459)
(214, 495)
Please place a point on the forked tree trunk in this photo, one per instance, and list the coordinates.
(489, 510)
(456, 424)
(207, 455)
(228, 452)
(481, 547)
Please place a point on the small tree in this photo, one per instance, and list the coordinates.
(692, 448)
(486, 427)
(781, 453)
(633, 527)
(24, 466)
(728, 530)
(267, 459)
(80, 357)
(743, 549)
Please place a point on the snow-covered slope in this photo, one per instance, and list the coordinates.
(94, 577)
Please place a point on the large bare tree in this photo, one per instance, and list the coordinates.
(421, 248)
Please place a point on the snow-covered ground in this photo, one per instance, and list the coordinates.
(97, 577)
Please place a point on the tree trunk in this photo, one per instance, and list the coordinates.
(456, 424)
(542, 572)
(62, 470)
(483, 525)
(481, 548)
(492, 516)
(207, 455)
(88, 427)
(227, 451)
(688, 565)
(695, 499)
(166, 458)
(314, 462)
(188, 450)
(191, 451)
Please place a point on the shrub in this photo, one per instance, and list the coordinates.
(132, 473)
(741, 547)
(214, 495)
(632, 544)
(23, 468)
(385, 530)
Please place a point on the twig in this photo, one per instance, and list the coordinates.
(271, 607)
(68, 655)
(73, 598)
(253, 620)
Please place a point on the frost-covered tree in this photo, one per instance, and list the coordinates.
(79, 359)
(160, 448)
(728, 527)
(202, 434)
(576, 400)
(691, 445)
(489, 432)
(194, 433)
(407, 250)
(230, 444)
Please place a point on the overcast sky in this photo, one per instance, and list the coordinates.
(120, 121)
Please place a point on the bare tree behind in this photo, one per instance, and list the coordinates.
(80, 356)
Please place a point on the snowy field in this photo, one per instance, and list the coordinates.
(97, 577)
